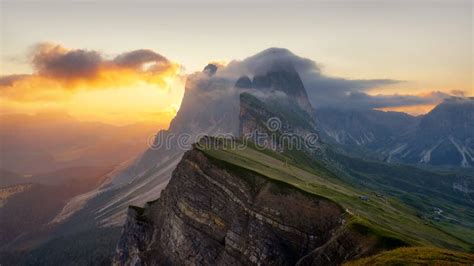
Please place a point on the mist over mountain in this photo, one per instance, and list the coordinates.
(324, 90)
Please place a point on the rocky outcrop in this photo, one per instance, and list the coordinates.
(214, 213)
(343, 246)
(139, 233)
(285, 80)
(278, 125)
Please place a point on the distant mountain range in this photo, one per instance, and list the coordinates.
(49, 141)
(442, 137)
(48, 159)
(28, 205)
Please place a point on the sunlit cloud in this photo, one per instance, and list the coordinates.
(136, 86)
(58, 70)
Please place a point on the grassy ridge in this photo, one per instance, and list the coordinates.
(416, 256)
(385, 216)
(422, 189)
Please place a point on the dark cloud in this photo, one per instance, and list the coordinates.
(330, 91)
(363, 100)
(268, 60)
(326, 91)
(138, 58)
(54, 61)
(59, 69)
(8, 80)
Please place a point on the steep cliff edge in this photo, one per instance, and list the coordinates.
(213, 212)
(228, 204)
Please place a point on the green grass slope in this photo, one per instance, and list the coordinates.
(385, 216)
(443, 198)
(416, 256)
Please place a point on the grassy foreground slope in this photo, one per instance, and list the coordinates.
(382, 215)
(416, 256)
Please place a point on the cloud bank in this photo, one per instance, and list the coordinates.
(323, 90)
(58, 70)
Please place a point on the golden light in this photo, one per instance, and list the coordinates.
(117, 96)
(412, 109)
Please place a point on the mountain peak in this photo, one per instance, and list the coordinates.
(243, 82)
(210, 69)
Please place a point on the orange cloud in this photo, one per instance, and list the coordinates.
(58, 71)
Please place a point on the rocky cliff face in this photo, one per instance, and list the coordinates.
(283, 79)
(215, 213)
(277, 124)
(276, 112)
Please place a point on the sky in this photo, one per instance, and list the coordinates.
(425, 47)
